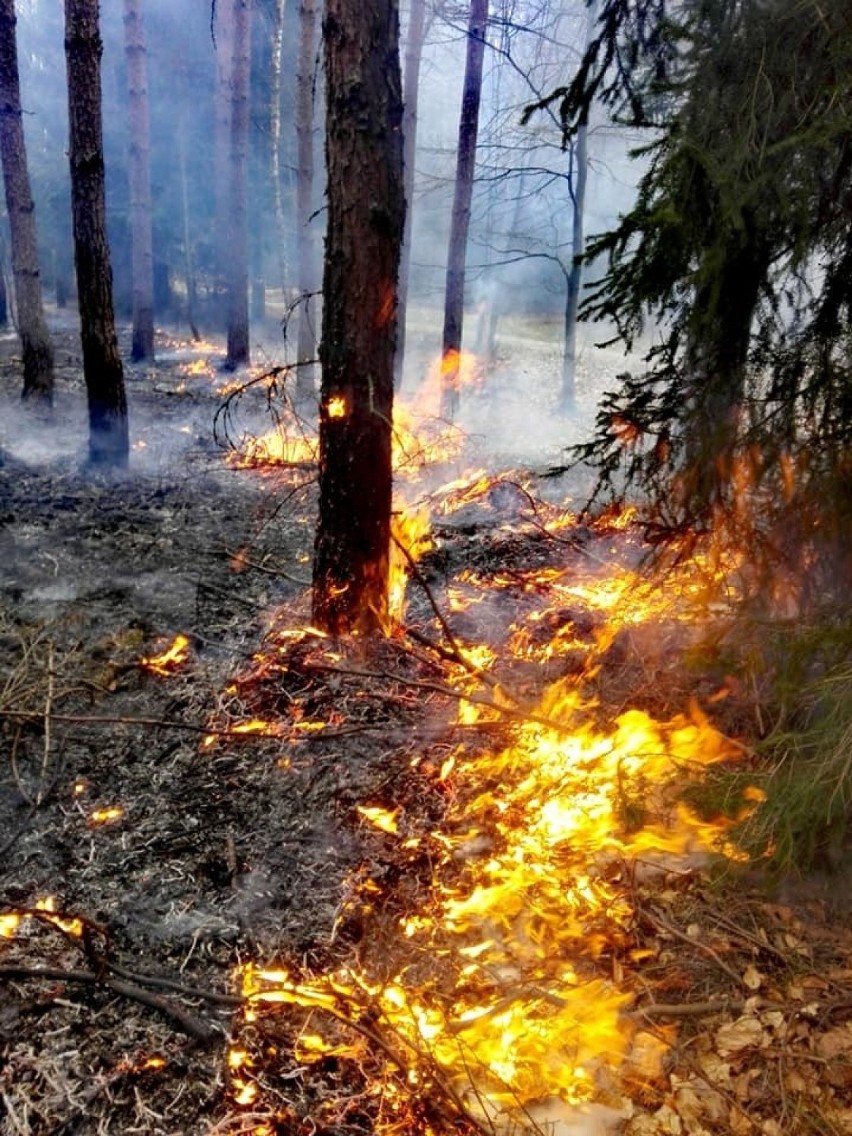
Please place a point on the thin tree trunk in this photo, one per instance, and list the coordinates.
(140, 183)
(238, 267)
(411, 93)
(277, 171)
(366, 207)
(580, 156)
(222, 156)
(466, 164)
(103, 372)
(188, 260)
(306, 348)
(36, 348)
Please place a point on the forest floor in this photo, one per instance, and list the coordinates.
(276, 801)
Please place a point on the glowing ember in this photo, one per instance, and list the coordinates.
(106, 815)
(170, 659)
(336, 407)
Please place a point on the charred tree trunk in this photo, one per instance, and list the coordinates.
(140, 183)
(103, 372)
(306, 347)
(411, 93)
(366, 207)
(36, 348)
(238, 266)
(465, 167)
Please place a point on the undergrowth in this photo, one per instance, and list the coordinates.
(798, 680)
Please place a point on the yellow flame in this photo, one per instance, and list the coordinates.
(170, 659)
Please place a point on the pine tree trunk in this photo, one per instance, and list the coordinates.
(465, 167)
(366, 207)
(140, 183)
(103, 372)
(237, 266)
(36, 348)
(306, 344)
(413, 55)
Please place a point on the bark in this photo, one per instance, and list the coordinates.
(306, 348)
(465, 167)
(411, 93)
(366, 207)
(237, 263)
(36, 348)
(102, 369)
(142, 254)
(188, 259)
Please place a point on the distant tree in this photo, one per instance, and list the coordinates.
(103, 372)
(237, 264)
(32, 327)
(460, 222)
(411, 95)
(140, 183)
(739, 252)
(275, 140)
(365, 219)
(579, 152)
(306, 341)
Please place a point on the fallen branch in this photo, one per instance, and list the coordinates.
(190, 1025)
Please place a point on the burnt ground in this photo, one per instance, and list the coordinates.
(231, 848)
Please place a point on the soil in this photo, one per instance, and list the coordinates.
(227, 848)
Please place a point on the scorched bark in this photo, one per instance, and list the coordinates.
(365, 217)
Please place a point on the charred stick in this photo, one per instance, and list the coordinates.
(186, 1022)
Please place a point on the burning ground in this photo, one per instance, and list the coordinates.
(256, 881)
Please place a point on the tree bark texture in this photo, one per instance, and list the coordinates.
(306, 346)
(223, 30)
(142, 253)
(276, 165)
(411, 93)
(366, 207)
(36, 347)
(103, 372)
(465, 168)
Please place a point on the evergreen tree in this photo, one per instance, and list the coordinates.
(738, 253)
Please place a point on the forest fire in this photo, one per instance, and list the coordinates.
(503, 994)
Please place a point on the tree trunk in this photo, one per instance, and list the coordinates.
(183, 175)
(222, 142)
(35, 340)
(411, 93)
(103, 372)
(366, 207)
(580, 156)
(140, 183)
(276, 169)
(238, 268)
(306, 347)
(466, 164)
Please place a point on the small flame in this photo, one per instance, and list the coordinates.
(170, 659)
(336, 406)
